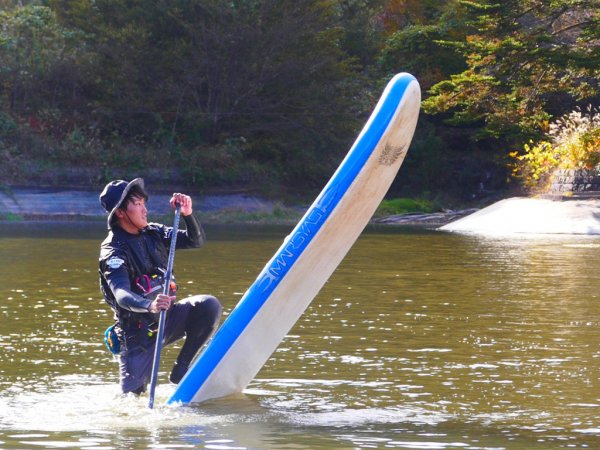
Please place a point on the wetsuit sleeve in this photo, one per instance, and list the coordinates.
(194, 233)
(117, 277)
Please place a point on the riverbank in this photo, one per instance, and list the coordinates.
(515, 215)
(31, 204)
(36, 204)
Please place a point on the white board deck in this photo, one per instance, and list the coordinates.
(310, 254)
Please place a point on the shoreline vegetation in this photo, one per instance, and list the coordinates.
(195, 93)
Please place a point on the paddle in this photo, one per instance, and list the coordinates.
(162, 318)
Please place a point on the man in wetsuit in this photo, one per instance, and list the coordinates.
(133, 260)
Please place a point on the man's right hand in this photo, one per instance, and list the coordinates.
(160, 303)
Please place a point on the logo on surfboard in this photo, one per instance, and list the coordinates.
(390, 154)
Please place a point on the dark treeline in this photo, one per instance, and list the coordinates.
(261, 94)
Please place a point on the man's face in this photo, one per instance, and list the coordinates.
(136, 213)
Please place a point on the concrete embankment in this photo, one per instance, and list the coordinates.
(510, 216)
(61, 204)
(428, 220)
(53, 204)
(532, 216)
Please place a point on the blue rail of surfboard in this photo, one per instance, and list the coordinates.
(293, 247)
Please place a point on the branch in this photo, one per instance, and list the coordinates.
(570, 27)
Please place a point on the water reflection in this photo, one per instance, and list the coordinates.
(419, 340)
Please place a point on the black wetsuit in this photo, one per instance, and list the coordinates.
(127, 263)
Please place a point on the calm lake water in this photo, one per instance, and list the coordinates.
(420, 340)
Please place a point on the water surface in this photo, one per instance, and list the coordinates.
(420, 339)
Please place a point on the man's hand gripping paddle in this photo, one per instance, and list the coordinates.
(161, 321)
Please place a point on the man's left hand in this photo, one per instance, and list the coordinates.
(184, 200)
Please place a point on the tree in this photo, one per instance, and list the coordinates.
(414, 33)
(264, 83)
(526, 60)
(442, 162)
(39, 62)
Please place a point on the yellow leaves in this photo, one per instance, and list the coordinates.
(536, 163)
(574, 144)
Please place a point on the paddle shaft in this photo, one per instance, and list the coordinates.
(161, 322)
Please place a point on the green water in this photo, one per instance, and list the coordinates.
(420, 340)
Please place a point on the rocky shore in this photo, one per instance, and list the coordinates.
(433, 220)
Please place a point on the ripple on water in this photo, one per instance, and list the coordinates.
(81, 403)
(443, 340)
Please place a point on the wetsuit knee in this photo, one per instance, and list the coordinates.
(206, 312)
(212, 308)
(201, 323)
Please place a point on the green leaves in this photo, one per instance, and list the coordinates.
(288, 82)
(522, 54)
(188, 76)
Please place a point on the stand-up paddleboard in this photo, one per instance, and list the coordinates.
(310, 254)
